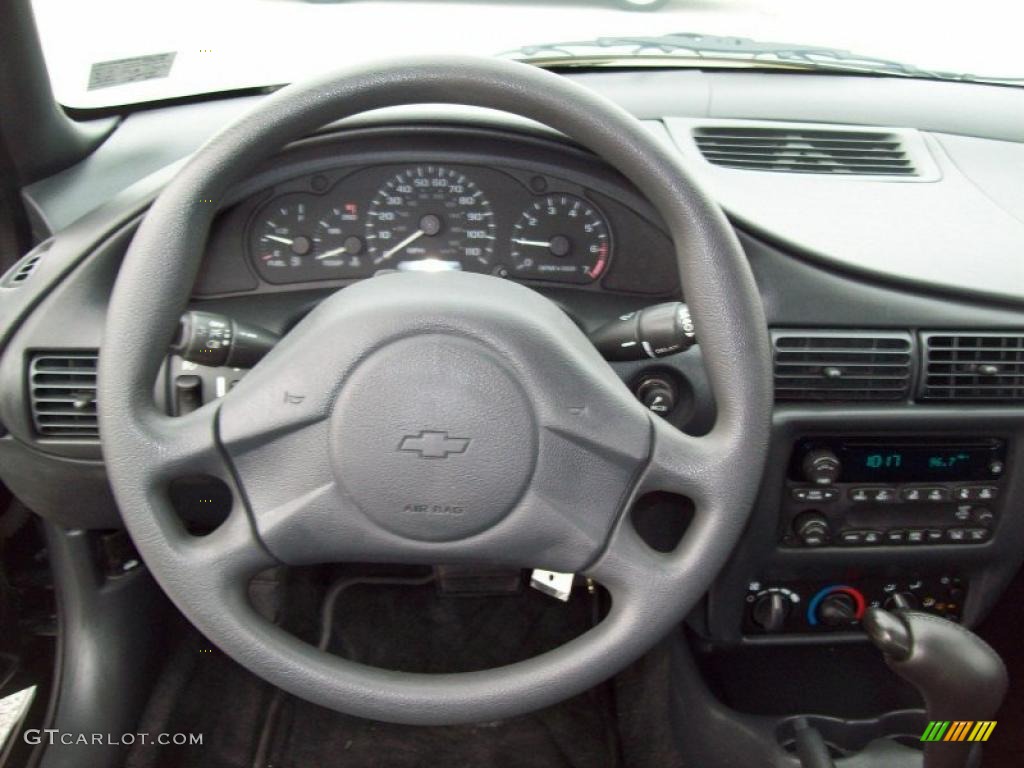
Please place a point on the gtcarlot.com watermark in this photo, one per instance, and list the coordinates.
(51, 736)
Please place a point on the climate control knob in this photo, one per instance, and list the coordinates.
(821, 466)
(770, 611)
(837, 609)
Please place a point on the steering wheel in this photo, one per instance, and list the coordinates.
(434, 418)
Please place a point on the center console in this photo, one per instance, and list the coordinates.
(872, 507)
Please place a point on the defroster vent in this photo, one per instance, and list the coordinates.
(806, 150)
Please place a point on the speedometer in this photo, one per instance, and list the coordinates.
(430, 215)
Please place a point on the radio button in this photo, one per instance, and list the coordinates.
(977, 492)
(977, 534)
(984, 517)
(895, 537)
(814, 494)
(852, 538)
(885, 495)
(956, 534)
(872, 538)
(933, 494)
(915, 536)
(934, 535)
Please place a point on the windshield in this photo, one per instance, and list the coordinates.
(117, 52)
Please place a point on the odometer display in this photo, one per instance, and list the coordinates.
(562, 238)
(430, 212)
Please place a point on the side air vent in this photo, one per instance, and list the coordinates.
(806, 150)
(24, 268)
(980, 367)
(62, 388)
(837, 366)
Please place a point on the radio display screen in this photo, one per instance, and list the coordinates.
(888, 463)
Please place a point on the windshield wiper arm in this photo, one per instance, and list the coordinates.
(724, 48)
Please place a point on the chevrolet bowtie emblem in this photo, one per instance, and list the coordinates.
(433, 445)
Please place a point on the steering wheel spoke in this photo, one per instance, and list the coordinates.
(685, 465)
(181, 446)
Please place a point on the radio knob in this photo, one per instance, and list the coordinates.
(821, 466)
(812, 529)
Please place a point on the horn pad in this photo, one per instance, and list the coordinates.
(433, 438)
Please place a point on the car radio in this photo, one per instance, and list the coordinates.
(891, 491)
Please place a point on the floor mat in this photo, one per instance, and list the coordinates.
(402, 628)
(413, 629)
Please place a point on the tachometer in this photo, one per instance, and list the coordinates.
(560, 237)
(434, 213)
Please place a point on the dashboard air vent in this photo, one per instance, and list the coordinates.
(837, 366)
(806, 150)
(987, 367)
(62, 387)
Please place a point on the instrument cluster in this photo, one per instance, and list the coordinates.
(429, 217)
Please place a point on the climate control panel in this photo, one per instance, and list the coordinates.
(892, 491)
(802, 607)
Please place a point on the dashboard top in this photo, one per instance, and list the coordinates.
(951, 235)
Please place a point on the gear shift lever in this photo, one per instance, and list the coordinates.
(958, 674)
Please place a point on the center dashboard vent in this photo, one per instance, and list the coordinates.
(806, 150)
(840, 366)
(62, 393)
(979, 367)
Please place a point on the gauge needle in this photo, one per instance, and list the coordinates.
(334, 252)
(410, 239)
(537, 243)
(275, 238)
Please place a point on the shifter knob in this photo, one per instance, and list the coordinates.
(957, 673)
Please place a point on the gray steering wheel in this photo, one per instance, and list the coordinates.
(434, 418)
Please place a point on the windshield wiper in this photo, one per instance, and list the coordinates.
(712, 49)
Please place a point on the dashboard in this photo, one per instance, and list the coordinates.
(895, 307)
